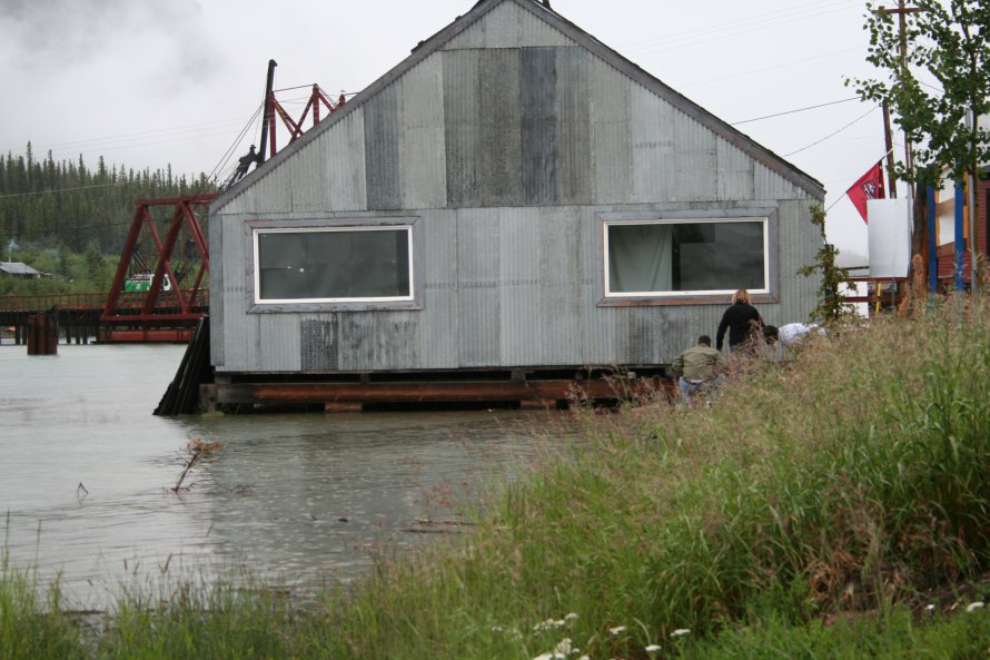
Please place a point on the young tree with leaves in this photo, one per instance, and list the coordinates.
(831, 304)
(947, 41)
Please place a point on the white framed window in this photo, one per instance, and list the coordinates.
(683, 257)
(340, 264)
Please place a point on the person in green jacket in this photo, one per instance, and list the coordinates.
(699, 369)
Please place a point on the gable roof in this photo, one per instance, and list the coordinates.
(18, 268)
(437, 41)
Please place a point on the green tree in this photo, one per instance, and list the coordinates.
(831, 304)
(949, 41)
(95, 265)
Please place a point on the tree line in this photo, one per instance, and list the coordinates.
(70, 220)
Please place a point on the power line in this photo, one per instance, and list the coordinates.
(749, 21)
(742, 74)
(791, 112)
(830, 135)
(165, 140)
(72, 144)
(664, 48)
(59, 190)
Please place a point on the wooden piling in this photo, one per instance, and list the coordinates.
(42, 335)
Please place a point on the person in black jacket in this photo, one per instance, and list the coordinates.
(741, 320)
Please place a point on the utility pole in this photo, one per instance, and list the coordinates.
(889, 142)
(919, 230)
(902, 11)
(974, 243)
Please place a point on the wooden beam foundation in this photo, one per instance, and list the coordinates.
(529, 394)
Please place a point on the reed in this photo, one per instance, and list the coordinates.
(33, 625)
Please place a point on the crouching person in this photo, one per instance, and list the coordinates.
(699, 369)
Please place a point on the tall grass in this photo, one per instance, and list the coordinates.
(850, 485)
(31, 629)
(853, 479)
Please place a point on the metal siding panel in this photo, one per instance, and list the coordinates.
(234, 301)
(508, 26)
(381, 141)
(564, 283)
(318, 343)
(799, 241)
(461, 96)
(652, 125)
(308, 182)
(421, 138)
(735, 172)
(477, 288)
(346, 171)
(573, 130)
(534, 32)
(252, 329)
(439, 327)
(278, 342)
(519, 283)
(216, 292)
(642, 333)
(694, 160)
(397, 340)
(611, 138)
(599, 345)
(500, 150)
(538, 78)
(243, 203)
(273, 193)
(356, 341)
(237, 205)
(770, 185)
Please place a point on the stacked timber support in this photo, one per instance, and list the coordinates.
(182, 395)
(353, 392)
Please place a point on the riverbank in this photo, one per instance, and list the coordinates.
(831, 507)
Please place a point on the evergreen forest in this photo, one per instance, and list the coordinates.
(69, 219)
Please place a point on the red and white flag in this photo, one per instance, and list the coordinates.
(869, 186)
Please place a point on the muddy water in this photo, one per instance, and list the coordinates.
(85, 471)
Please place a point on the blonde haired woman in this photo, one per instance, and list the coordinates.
(741, 320)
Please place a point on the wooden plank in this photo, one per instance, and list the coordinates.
(426, 392)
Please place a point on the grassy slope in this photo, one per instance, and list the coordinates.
(853, 481)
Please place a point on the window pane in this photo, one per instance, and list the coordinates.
(334, 264)
(703, 256)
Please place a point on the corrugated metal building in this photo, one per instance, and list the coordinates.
(513, 195)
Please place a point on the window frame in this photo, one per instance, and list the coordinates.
(411, 225)
(767, 294)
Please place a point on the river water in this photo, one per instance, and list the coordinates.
(300, 500)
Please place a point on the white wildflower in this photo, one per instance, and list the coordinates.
(680, 632)
(972, 607)
(544, 656)
(618, 630)
(563, 646)
(652, 648)
(929, 608)
(571, 617)
(584, 657)
(545, 625)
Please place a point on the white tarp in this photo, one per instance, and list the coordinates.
(890, 236)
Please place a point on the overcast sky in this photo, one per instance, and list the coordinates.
(148, 82)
